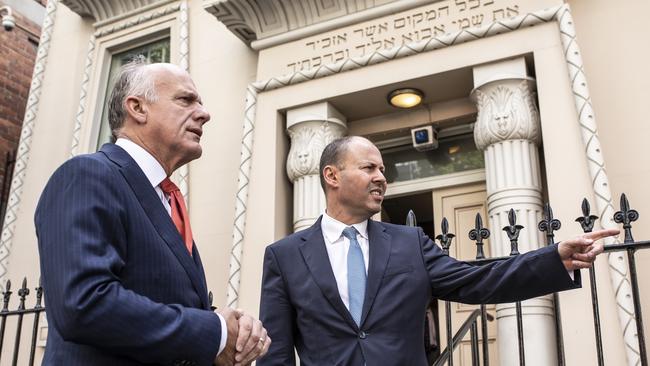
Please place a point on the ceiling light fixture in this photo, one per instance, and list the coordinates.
(405, 98)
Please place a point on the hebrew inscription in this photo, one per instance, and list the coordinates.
(434, 20)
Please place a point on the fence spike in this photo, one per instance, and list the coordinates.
(22, 293)
(410, 219)
(512, 231)
(446, 237)
(5, 297)
(478, 234)
(587, 220)
(211, 300)
(39, 294)
(549, 224)
(626, 216)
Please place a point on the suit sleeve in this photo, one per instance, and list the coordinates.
(277, 314)
(82, 243)
(521, 277)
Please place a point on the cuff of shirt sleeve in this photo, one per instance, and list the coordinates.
(224, 334)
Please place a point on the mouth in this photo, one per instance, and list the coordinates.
(377, 192)
(196, 131)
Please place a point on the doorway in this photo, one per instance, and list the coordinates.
(459, 204)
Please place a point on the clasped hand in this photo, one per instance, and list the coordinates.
(247, 339)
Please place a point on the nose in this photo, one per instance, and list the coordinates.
(379, 177)
(202, 115)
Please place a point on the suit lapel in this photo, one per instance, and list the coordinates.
(315, 255)
(379, 252)
(154, 209)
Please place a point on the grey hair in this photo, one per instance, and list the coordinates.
(131, 80)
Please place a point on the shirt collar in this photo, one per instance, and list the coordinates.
(333, 229)
(147, 163)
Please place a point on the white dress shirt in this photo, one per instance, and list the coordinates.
(156, 174)
(337, 247)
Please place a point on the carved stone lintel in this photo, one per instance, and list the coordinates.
(506, 111)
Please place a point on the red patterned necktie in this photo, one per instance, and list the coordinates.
(179, 211)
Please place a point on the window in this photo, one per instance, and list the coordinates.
(455, 154)
(157, 51)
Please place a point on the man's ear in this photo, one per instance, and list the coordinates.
(136, 108)
(331, 176)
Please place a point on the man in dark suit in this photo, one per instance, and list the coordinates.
(123, 279)
(352, 291)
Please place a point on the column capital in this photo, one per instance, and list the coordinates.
(320, 112)
(310, 129)
(506, 111)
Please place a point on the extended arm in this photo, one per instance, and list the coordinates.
(528, 275)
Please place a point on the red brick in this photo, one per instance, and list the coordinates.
(17, 55)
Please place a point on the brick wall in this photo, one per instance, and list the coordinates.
(17, 55)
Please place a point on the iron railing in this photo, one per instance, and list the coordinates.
(15, 318)
(548, 225)
(8, 316)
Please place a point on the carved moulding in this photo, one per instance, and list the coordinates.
(101, 10)
(78, 119)
(506, 111)
(250, 20)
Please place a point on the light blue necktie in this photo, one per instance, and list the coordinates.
(356, 275)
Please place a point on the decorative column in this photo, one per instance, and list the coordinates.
(310, 128)
(508, 131)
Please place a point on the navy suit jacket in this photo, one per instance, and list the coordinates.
(301, 306)
(120, 287)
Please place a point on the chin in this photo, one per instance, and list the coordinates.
(373, 210)
(190, 154)
(194, 150)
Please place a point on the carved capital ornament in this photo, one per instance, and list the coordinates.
(506, 111)
(308, 140)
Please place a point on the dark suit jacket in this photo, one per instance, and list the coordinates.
(301, 306)
(120, 287)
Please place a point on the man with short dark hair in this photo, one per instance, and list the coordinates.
(352, 291)
(123, 279)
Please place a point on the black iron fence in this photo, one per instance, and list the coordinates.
(16, 319)
(548, 225)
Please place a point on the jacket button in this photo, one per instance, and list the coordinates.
(362, 335)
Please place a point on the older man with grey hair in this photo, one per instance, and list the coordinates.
(123, 279)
